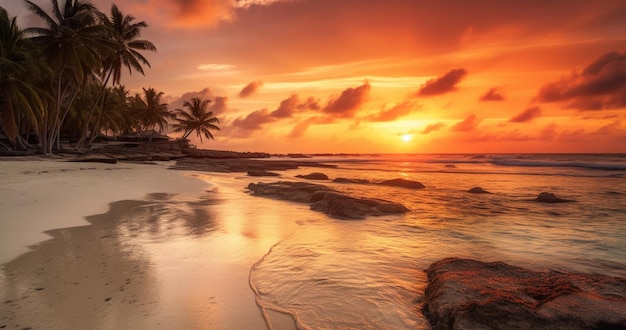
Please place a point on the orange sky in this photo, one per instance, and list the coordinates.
(354, 76)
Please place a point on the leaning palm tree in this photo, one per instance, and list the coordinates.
(72, 45)
(198, 119)
(124, 34)
(19, 96)
(150, 111)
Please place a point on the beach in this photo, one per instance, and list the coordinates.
(119, 246)
(130, 245)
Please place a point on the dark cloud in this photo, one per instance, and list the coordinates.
(218, 103)
(346, 105)
(601, 85)
(493, 94)
(290, 105)
(395, 112)
(433, 127)
(526, 116)
(254, 120)
(250, 89)
(468, 124)
(444, 84)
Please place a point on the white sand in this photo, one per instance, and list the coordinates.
(36, 196)
(171, 257)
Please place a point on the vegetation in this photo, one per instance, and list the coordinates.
(62, 81)
(198, 119)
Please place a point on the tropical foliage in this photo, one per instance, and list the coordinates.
(199, 119)
(62, 79)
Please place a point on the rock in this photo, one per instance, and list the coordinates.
(403, 183)
(291, 191)
(261, 173)
(545, 197)
(327, 200)
(469, 294)
(313, 176)
(478, 190)
(346, 207)
(344, 180)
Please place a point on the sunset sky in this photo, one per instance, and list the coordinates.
(390, 76)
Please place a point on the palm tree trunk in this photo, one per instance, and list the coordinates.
(83, 135)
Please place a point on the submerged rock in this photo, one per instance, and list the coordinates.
(327, 200)
(261, 173)
(404, 183)
(469, 294)
(478, 190)
(291, 191)
(346, 207)
(545, 197)
(345, 180)
(313, 176)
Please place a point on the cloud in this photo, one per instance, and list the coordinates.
(215, 67)
(601, 85)
(393, 113)
(526, 116)
(218, 103)
(187, 14)
(433, 127)
(250, 89)
(301, 128)
(350, 100)
(609, 129)
(254, 120)
(444, 84)
(468, 124)
(492, 94)
(290, 105)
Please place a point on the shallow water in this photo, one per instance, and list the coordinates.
(369, 274)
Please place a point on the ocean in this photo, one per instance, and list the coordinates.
(368, 274)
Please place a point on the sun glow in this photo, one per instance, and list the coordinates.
(407, 137)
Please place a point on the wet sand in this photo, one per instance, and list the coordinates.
(178, 257)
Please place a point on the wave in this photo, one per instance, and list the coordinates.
(594, 166)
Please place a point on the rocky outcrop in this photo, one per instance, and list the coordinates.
(242, 165)
(404, 183)
(313, 176)
(345, 207)
(478, 190)
(292, 191)
(345, 180)
(469, 294)
(545, 197)
(327, 200)
(261, 173)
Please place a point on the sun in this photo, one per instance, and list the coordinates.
(406, 137)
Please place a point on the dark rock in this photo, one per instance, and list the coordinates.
(313, 176)
(346, 207)
(403, 183)
(478, 190)
(242, 165)
(451, 166)
(291, 191)
(545, 197)
(469, 294)
(261, 173)
(327, 200)
(344, 180)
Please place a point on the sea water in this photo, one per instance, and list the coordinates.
(368, 274)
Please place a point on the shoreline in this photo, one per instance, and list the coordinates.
(134, 262)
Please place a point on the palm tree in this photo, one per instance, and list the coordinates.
(198, 119)
(124, 34)
(20, 99)
(72, 45)
(150, 111)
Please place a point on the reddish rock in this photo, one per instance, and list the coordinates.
(313, 176)
(469, 294)
(404, 183)
(545, 197)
